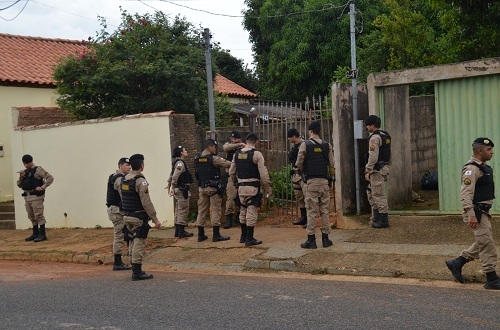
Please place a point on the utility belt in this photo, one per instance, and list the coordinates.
(480, 208)
(33, 193)
(139, 215)
(210, 183)
(250, 184)
(379, 165)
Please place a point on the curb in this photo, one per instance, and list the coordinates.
(98, 259)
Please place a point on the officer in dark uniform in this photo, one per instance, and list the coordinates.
(476, 194)
(376, 171)
(294, 137)
(208, 168)
(179, 183)
(138, 210)
(115, 214)
(315, 160)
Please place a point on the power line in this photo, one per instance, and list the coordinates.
(10, 5)
(8, 20)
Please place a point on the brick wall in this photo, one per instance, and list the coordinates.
(423, 137)
(29, 116)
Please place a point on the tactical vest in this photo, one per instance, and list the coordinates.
(230, 155)
(245, 167)
(485, 187)
(205, 168)
(385, 148)
(112, 196)
(29, 181)
(294, 153)
(131, 201)
(185, 177)
(316, 162)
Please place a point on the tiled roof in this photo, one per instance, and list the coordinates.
(226, 86)
(29, 60)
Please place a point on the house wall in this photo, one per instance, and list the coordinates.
(12, 97)
(81, 156)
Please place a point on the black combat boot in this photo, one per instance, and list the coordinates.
(118, 264)
(302, 221)
(325, 240)
(201, 234)
(374, 215)
(217, 236)
(382, 221)
(176, 234)
(243, 236)
(250, 240)
(138, 274)
(41, 235)
(35, 234)
(310, 243)
(492, 281)
(182, 232)
(229, 221)
(455, 266)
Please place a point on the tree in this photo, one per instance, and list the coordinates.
(234, 69)
(298, 44)
(150, 63)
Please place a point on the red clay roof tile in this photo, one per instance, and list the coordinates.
(29, 60)
(226, 86)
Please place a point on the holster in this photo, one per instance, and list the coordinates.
(237, 201)
(479, 209)
(127, 235)
(379, 165)
(304, 177)
(143, 230)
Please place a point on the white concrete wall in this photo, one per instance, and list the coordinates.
(81, 157)
(16, 97)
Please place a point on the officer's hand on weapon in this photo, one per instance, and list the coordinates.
(472, 224)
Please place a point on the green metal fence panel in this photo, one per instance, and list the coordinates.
(465, 109)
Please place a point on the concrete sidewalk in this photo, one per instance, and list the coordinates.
(365, 251)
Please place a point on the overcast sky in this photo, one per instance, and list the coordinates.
(77, 19)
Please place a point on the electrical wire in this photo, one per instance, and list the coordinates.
(10, 5)
(8, 20)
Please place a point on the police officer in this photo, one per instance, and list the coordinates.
(251, 175)
(294, 137)
(33, 181)
(208, 173)
(476, 194)
(315, 160)
(377, 170)
(115, 214)
(230, 148)
(179, 183)
(138, 210)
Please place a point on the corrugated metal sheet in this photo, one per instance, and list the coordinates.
(465, 109)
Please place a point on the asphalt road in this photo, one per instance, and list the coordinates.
(62, 296)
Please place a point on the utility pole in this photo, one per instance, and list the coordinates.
(210, 85)
(357, 124)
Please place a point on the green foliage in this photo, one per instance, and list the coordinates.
(282, 184)
(223, 111)
(150, 63)
(234, 69)
(340, 74)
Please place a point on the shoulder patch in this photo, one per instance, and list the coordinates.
(146, 191)
(468, 172)
(144, 183)
(467, 181)
(372, 147)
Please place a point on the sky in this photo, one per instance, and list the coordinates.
(77, 19)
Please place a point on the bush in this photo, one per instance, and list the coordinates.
(282, 184)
